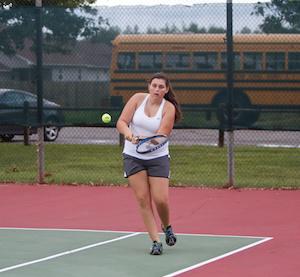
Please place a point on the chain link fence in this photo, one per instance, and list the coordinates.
(95, 57)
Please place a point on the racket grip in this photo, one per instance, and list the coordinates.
(135, 139)
(132, 138)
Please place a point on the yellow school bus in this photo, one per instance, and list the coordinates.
(266, 69)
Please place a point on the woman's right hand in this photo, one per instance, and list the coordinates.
(133, 139)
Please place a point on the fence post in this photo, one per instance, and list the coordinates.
(121, 140)
(221, 138)
(230, 151)
(26, 127)
(39, 86)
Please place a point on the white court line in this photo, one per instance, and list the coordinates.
(126, 232)
(68, 230)
(216, 258)
(66, 253)
(262, 240)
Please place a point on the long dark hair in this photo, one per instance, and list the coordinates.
(170, 95)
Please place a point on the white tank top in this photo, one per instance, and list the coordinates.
(144, 126)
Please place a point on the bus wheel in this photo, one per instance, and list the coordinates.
(242, 116)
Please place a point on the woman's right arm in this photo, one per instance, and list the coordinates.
(126, 117)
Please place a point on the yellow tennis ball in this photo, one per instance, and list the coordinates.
(106, 118)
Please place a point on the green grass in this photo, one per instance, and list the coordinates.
(255, 167)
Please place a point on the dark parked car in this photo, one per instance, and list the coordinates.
(18, 109)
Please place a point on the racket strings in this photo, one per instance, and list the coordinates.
(151, 144)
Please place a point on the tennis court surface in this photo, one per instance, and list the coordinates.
(97, 231)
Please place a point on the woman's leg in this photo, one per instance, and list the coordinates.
(159, 188)
(140, 185)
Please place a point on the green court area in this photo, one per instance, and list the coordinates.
(57, 252)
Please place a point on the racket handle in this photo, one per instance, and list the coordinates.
(133, 139)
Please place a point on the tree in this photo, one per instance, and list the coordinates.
(170, 30)
(280, 16)
(63, 23)
(194, 28)
(245, 30)
(216, 30)
(152, 30)
(106, 35)
(130, 30)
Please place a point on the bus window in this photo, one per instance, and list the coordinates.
(252, 61)
(275, 61)
(236, 61)
(150, 61)
(205, 61)
(177, 61)
(126, 61)
(294, 61)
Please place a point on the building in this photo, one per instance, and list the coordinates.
(86, 61)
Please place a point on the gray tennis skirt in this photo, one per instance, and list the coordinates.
(158, 167)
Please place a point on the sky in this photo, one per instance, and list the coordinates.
(206, 15)
(167, 2)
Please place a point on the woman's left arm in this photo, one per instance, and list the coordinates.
(168, 119)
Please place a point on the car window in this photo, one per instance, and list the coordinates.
(13, 98)
(31, 99)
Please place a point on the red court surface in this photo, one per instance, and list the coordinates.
(265, 213)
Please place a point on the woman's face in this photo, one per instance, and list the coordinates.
(158, 87)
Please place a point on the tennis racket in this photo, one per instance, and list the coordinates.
(150, 144)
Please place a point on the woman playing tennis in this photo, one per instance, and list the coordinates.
(146, 115)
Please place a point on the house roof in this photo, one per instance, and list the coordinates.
(84, 53)
(15, 61)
